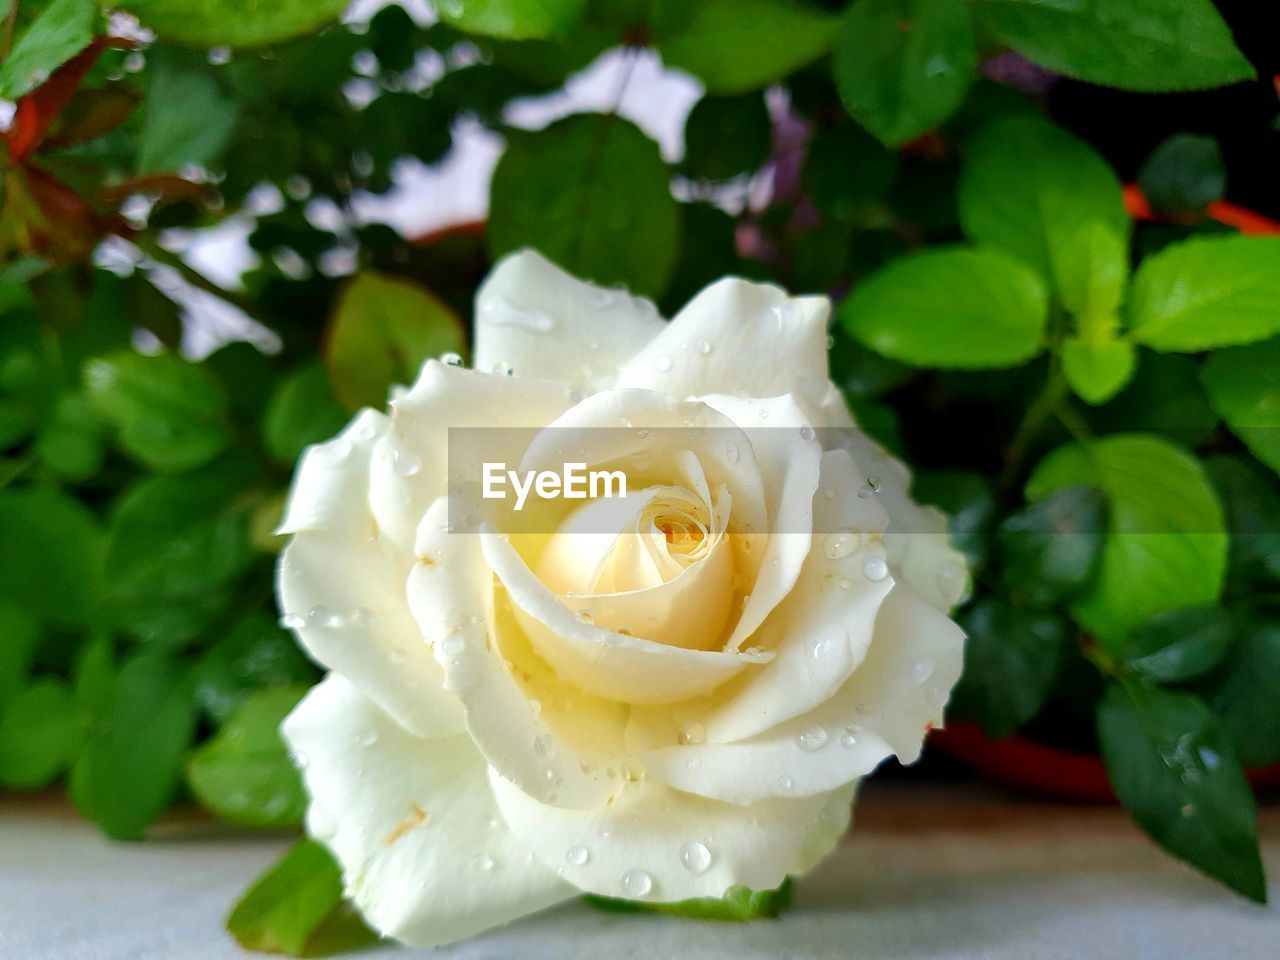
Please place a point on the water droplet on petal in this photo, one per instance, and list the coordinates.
(293, 621)
(875, 569)
(731, 453)
(636, 883)
(695, 856)
(485, 862)
(838, 545)
(662, 363)
(921, 670)
(704, 347)
(693, 733)
(577, 855)
(806, 432)
(405, 464)
(812, 738)
(451, 359)
(322, 616)
(452, 645)
(785, 782)
(586, 617)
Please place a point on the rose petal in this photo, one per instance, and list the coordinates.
(545, 323)
(737, 337)
(451, 596)
(425, 853)
(788, 455)
(341, 585)
(612, 665)
(657, 844)
(892, 700)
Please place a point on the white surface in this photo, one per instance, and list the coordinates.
(943, 877)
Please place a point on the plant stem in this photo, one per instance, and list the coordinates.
(1041, 408)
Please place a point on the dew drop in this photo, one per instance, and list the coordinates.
(452, 645)
(874, 568)
(485, 862)
(695, 856)
(812, 738)
(731, 453)
(806, 432)
(693, 733)
(662, 363)
(405, 464)
(704, 347)
(503, 369)
(921, 670)
(844, 583)
(451, 359)
(785, 782)
(293, 621)
(838, 545)
(322, 616)
(586, 617)
(636, 883)
(363, 618)
(849, 740)
(577, 855)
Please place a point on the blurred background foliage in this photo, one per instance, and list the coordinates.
(1045, 306)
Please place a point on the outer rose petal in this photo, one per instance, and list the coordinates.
(643, 832)
(547, 324)
(886, 708)
(344, 583)
(738, 337)
(413, 822)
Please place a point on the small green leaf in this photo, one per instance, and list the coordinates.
(41, 730)
(1252, 501)
(512, 19)
(593, 194)
(1011, 656)
(51, 550)
(1206, 293)
(1166, 543)
(59, 31)
(1185, 173)
(185, 118)
(846, 171)
(71, 443)
(176, 542)
(234, 23)
(95, 675)
(1176, 773)
(296, 908)
(1243, 384)
(171, 413)
(1144, 45)
(1051, 548)
(1038, 193)
(244, 774)
(726, 136)
(951, 308)
(733, 46)
(302, 411)
(903, 66)
(1180, 644)
(737, 905)
(132, 761)
(19, 635)
(1097, 371)
(383, 330)
(1091, 268)
(1247, 691)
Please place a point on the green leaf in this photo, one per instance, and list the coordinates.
(1166, 546)
(71, 443)
(1243, 384)
(382, 332)
(952, 308)
(132, 762)
(1174, 770)
(175, 544)
(1181, 644)
(903, 66)
(171, 413)
(185, 118)
(1038, 193)
(1091, 268)
(1097, 371)
(19, 635)
(733, 46)
(95, 676)
(512, 19)
(1143, 45)
(59, 31)
(592, 193)
(1252, 502)
(40, 733)
(296, 907)
(726, 136)
(1051, 549)
(233, 23)
(1185, 173)
(1206, 293)
(737, 905)
(1011, 657)
(302, 411)
(1246, 694)
(244, 774)
(846, 171)
(255, 653)
(50, 555)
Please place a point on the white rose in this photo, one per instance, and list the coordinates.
(663, 712)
